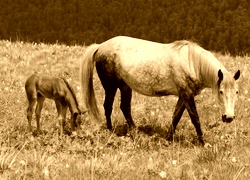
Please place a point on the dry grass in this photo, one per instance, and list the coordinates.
(97, 153)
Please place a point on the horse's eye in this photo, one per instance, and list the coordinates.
(221, 92)
(237, 92)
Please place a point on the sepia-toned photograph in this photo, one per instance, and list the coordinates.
(124, 90)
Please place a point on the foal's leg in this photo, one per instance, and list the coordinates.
(73, 121)
(179, 109)
(126, 96)
(64, 113)
(191, 108)
(60, 111)
(32, 102)
(39, 106)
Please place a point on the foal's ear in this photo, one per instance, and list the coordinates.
(220, 75)
(237, 75)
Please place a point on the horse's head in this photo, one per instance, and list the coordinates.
(227, 94)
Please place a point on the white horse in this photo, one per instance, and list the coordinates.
(181, 68)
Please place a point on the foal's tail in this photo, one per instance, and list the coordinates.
(86, 80)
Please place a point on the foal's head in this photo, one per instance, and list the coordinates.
(76, 117)
(227, 94)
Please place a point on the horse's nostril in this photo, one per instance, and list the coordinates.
(224, 118)
(227, 119)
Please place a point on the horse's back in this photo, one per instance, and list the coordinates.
(132, 51)
(130, 46)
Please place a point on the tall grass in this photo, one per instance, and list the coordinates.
(96, 153)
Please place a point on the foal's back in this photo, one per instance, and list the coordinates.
(48, 86)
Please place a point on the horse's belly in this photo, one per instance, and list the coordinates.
(151, 78)
(152, 86)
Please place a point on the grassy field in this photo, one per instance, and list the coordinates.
(96, 153)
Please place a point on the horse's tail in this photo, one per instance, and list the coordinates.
(86, 80)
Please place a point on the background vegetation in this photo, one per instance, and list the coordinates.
(217, 25)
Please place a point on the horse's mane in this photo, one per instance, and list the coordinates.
(205, 64)
(71, 90)
(177, 45)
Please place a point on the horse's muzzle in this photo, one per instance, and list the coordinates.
(227, 119)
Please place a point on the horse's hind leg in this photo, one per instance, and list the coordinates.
(39, 106)
(110, 84)
(32, 102)
(179, 109)
(126, 96)
(108, 104)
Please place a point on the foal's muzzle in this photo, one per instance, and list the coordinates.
(227, 119)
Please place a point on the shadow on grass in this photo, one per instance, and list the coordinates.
(123, 130)
(156, 131)
(153, 130)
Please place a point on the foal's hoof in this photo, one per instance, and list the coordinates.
(36, 132)
(67, 132)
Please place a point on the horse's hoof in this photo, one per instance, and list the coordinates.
(170, 137)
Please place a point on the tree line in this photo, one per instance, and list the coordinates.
(216, 25)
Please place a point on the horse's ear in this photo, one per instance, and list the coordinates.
(237, 75)
(220, 75)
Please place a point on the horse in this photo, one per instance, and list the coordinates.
(181, 68)
(41, 86)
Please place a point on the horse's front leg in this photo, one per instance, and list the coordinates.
(179, 109)
(191, 108)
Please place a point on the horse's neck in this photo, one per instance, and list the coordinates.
(209, 77)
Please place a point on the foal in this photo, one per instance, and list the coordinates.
(39, 86)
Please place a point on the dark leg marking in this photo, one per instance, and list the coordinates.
(191, 108)
(109, 82)
(125, 106)
(108, 105)
(179, 109)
